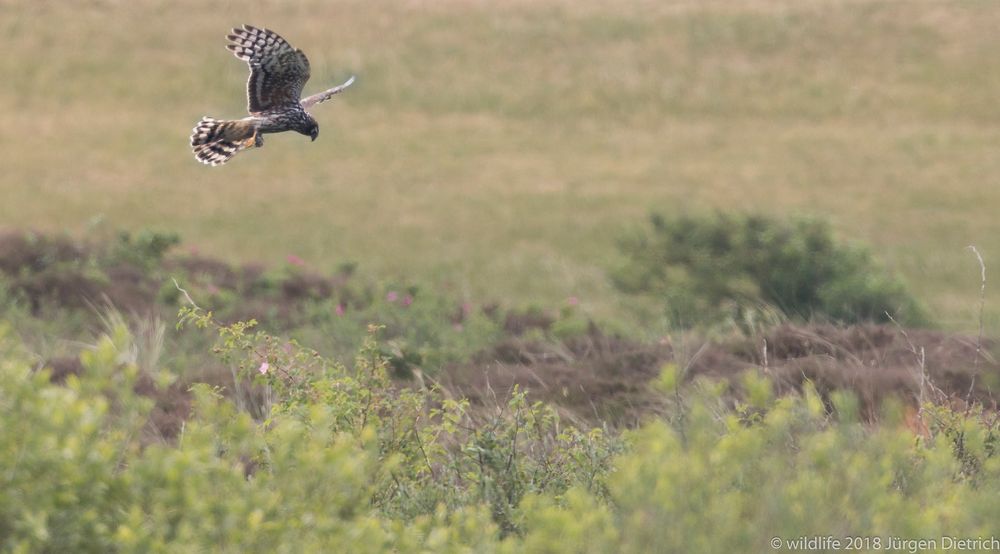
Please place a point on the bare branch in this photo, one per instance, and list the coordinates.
(979, 338)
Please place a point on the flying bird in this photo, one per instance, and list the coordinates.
(278, 71)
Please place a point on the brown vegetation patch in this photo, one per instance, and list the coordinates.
(130, 289)
(518, 322)
(171, 408)
(592, 378)
(171, 404)
(600, 379)
(55, 272)
(212, 272)
(875, 361)
(62, 367)
(597, 379)
(21, 252)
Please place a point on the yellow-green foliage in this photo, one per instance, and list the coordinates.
(74, 479)
(716, 489)
(347, 465)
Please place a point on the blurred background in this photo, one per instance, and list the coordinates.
(501, 149)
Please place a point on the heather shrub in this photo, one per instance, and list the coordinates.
(64, 283)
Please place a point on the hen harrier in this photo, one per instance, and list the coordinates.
(277, 73)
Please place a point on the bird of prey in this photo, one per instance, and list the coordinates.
(278, 72)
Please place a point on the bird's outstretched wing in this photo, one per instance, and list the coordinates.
(278, 71)
(326, 94)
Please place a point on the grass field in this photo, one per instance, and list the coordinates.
(501, 148)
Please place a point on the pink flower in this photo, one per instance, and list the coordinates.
(340, 309)
(407, 300)
(263, 368)
(392, 296)
(466, 309)
(573, 301)
(295, 260)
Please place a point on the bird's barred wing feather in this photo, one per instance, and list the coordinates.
(326, 94)
(278, 71)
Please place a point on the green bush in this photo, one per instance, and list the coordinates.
(436, 450)
(715, 479)
(708, 269)
(344, 462)
(144, 249)
(790, 471)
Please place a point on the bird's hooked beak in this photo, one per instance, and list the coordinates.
(314, 133)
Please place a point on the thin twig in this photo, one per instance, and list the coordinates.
(921, 359)
(185, 293)
(979, 338)
(420, 445)
(767, 370)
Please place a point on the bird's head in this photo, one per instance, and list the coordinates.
(309, 127)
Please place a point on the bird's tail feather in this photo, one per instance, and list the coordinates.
(215, 141)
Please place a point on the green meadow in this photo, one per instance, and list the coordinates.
(500, 149)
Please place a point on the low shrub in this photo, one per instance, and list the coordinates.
(344, 462)
(726, 267)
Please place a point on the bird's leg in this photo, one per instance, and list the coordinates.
(256, 140)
